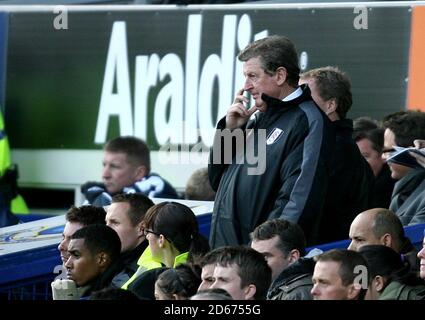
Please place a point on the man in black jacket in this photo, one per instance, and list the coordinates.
(293, 141)
(125, 215)
(371, 144)
(283, 244)
(351, 181)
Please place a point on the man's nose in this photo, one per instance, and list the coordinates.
(247, 85)
(61, 246)
(106, 173)
(314, 291)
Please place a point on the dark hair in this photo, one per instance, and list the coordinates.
(362, 124)
(211, 257)
(384, 261)
(178, 224)
(274, 52)
(136, 150)
(375, 136)
(349, 261)
(100, 238)
(138, 205)
(213, 294)
(182, 280)
(198, 186)
(114, 294)
(252, 267)
(290, 235)
(386, 221)
(407, 126)
(331, 83)
(86, 215)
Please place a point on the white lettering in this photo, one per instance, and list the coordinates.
(188, 97)
(222, 68)
(60, 21)
(146, 76)
(119, 103)
(193, 50)
(171, 95)
(360, 22)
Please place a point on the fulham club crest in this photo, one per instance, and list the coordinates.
(272, 138)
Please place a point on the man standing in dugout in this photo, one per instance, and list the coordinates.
(299, 143)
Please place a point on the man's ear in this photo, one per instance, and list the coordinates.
(293, 256)
(141, 172)
(281, 75)
(250, 291)
(353, 291)
(387, 240)
(331, 106)
(140, 228)
(102, 259)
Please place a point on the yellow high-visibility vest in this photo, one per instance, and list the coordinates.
(18, 204)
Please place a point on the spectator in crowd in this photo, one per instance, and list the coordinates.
(125, 215)
(290, 180)
(389, 277)
(371, 144)
(11, 202)
(351, 178)
(179, 283)
(198, 186)
(207, 263)
(419, 144)
(336, 274)
(283, 244)
(363, 124)
(126, 169)
(408, 199)
(382, 226)
(212, 294)
(93, 251)
(421, 256)
(173, 234)
(243, 272)
(77, 218)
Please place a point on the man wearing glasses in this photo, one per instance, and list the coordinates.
(408, 199)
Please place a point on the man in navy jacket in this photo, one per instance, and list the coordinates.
(293, 141)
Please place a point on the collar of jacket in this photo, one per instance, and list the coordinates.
(409, 182)
(181, 258)
(344, 124)
(133, 255)
(276, 105)
(299, 268)
(146, 260)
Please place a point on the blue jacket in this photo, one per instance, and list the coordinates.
(152, 186)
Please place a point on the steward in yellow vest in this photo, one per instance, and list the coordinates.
(10, 200)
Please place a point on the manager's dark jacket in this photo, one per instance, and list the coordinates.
(296, 162)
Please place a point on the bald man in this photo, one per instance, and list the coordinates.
(382, 226)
